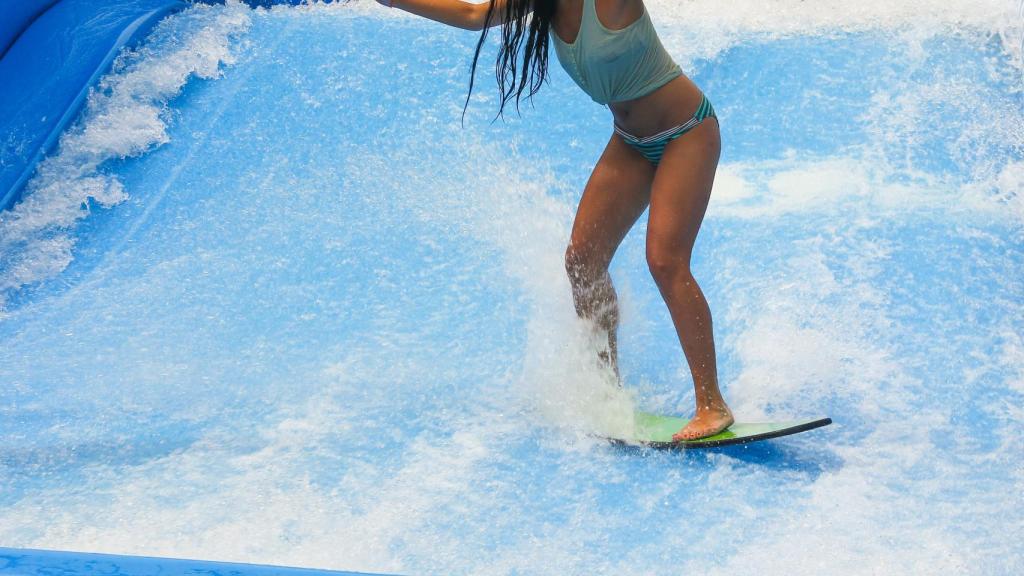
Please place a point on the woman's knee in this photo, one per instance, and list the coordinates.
(582, 265)
(667, 261)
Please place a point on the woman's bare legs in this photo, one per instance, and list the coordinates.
(619, 190)
(679, 198)
(615, 196)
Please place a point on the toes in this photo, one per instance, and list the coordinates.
(684, 435)
(688, 435)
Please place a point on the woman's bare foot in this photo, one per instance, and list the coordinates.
(707, 422)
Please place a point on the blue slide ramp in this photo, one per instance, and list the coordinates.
(17, 17)
(46, 563)
(57, 49)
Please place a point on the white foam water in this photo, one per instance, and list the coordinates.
(125, 116)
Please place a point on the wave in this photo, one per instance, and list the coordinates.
(126, 115)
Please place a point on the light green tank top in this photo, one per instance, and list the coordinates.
(615, 65)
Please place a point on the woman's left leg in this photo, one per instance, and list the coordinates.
(679, 199)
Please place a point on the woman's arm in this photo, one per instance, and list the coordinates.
(453, 12)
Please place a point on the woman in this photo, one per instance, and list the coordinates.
(662, 153)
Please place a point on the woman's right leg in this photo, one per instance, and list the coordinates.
(616, 194)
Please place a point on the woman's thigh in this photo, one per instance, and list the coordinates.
(681, 191)
(616, 194)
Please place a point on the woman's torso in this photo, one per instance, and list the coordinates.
(616, 57)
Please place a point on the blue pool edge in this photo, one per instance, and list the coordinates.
(32, 562)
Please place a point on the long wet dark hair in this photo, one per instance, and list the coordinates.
(517, 74)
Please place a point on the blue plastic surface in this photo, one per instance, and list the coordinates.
(46, 562)
(46, 74)
(17, 16)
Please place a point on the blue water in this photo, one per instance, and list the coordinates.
(319, 323)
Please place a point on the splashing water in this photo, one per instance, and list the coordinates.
(269, 302)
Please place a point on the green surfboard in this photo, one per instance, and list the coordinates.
(655, 431)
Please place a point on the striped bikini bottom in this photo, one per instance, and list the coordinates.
(653, 146)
